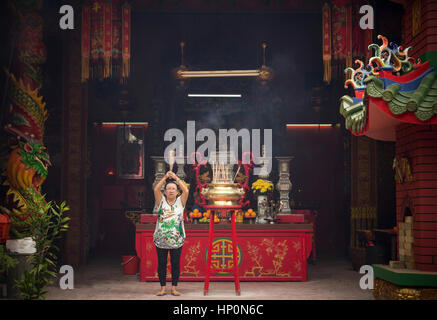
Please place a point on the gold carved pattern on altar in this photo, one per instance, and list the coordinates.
(222, 255)
(192, 257)
(149, 246)
(297, 245)
(280, 250)
(384, 290)
(298, 266)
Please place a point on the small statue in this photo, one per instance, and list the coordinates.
(204, 177)
(240, 178)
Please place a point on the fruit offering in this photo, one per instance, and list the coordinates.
(195, 214)
(204, 220)
(250, 214)
(207, 213)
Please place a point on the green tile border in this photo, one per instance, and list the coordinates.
(430, 56)
(405, 278)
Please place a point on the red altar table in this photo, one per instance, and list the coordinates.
(266, 252)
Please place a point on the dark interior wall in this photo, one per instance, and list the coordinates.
(6, 21)
(317, 173)
(226, 41)
(213, 42)
(111, 230)
(386, 185)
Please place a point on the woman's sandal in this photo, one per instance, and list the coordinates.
(161, 293)
(175, 293)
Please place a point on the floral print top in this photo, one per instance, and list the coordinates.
(169, 230)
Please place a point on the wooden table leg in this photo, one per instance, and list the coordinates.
(208, 261)
(235, 255)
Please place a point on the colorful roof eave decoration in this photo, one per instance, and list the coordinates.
(392, 89)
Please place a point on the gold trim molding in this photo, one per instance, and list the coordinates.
(385, 290)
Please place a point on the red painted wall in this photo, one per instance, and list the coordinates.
(426, 39)
(419, 145)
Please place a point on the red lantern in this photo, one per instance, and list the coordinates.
(5, 225)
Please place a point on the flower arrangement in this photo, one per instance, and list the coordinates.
(261, 186)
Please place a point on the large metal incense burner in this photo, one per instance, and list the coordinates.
(222, 192)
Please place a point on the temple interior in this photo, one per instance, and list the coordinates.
(335, 99)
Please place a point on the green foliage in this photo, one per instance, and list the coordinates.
(6, 261)
(45, 225)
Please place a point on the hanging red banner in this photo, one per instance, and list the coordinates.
(97, 34)
(107, 29)
(106, 24)
(85, 42)
(339, 29)
(116, 37)
(361, 39)
(126, 49)
(326, 25)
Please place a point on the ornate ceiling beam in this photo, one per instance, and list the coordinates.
(228, 6)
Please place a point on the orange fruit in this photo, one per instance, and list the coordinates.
(253, 214)
(196, 210)
(250, 210)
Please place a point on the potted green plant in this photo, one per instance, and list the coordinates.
(45, 226)
(6, 262)
(36, 270)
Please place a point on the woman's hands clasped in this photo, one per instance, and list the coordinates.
(171, 175)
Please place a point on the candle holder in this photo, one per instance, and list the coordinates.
(284, 184)
(160, 165)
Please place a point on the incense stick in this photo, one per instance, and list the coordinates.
(238, 170)
(171, 160)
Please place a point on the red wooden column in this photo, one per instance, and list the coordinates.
(420, 22)
(74, 153)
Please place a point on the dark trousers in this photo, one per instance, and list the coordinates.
(175, 259)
